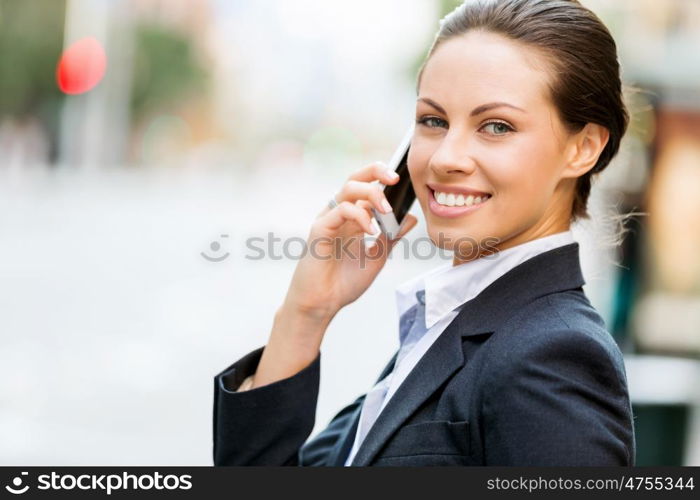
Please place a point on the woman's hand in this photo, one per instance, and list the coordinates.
(337, 267)
(334, 271)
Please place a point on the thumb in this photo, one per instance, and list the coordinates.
(408, 223)
(384, 245)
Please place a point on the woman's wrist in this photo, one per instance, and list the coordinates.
(300, 330)
(294, 343)
(304, 313)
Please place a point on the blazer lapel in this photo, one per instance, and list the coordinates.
(555, 270)
(440, 361)
(340, 452)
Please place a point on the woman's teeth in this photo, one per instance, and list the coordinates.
(452, 200)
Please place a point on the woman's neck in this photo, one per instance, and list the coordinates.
(465, 255)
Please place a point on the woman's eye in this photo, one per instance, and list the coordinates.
(498, 128)
(431, 121)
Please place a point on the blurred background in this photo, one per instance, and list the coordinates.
(144, 142)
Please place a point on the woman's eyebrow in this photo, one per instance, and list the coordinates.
(476, 111)
(432, 103)
(486, 107)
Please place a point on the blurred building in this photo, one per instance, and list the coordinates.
(657, 297)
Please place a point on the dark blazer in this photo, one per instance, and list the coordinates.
(526, 374)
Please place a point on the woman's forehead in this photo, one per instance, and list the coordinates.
(486, 65)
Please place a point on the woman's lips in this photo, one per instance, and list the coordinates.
(451, 212)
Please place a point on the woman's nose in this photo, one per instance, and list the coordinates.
(453, 156)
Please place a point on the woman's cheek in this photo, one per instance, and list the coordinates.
(513, 198)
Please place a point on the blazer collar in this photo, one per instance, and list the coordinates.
(448, 287)
(553, 271)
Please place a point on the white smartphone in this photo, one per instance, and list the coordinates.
(400, 195)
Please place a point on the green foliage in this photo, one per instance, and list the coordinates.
(31, 41)
(166, 70)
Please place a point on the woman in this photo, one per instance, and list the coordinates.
(503, 360)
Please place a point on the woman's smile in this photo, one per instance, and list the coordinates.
(451, 205)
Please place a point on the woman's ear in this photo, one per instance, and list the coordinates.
(585, 149)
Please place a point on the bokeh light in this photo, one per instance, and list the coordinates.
(81, 67)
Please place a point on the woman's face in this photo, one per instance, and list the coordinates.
(485, 123)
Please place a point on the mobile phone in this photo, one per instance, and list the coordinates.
(400, 195)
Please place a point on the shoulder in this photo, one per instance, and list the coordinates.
(562, 332)
(554, 391)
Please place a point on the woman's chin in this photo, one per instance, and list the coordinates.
(449, 239)
(466, 244)
(447, 236)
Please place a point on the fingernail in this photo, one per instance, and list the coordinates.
(386, 206)
(392, 174)
(375, 227)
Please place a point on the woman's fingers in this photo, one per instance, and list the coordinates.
(366, 205)
(357, 190)
(357, 196)
(363, 185)
(345, 212)
(375, 171)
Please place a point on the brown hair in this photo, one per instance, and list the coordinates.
(583, 55)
